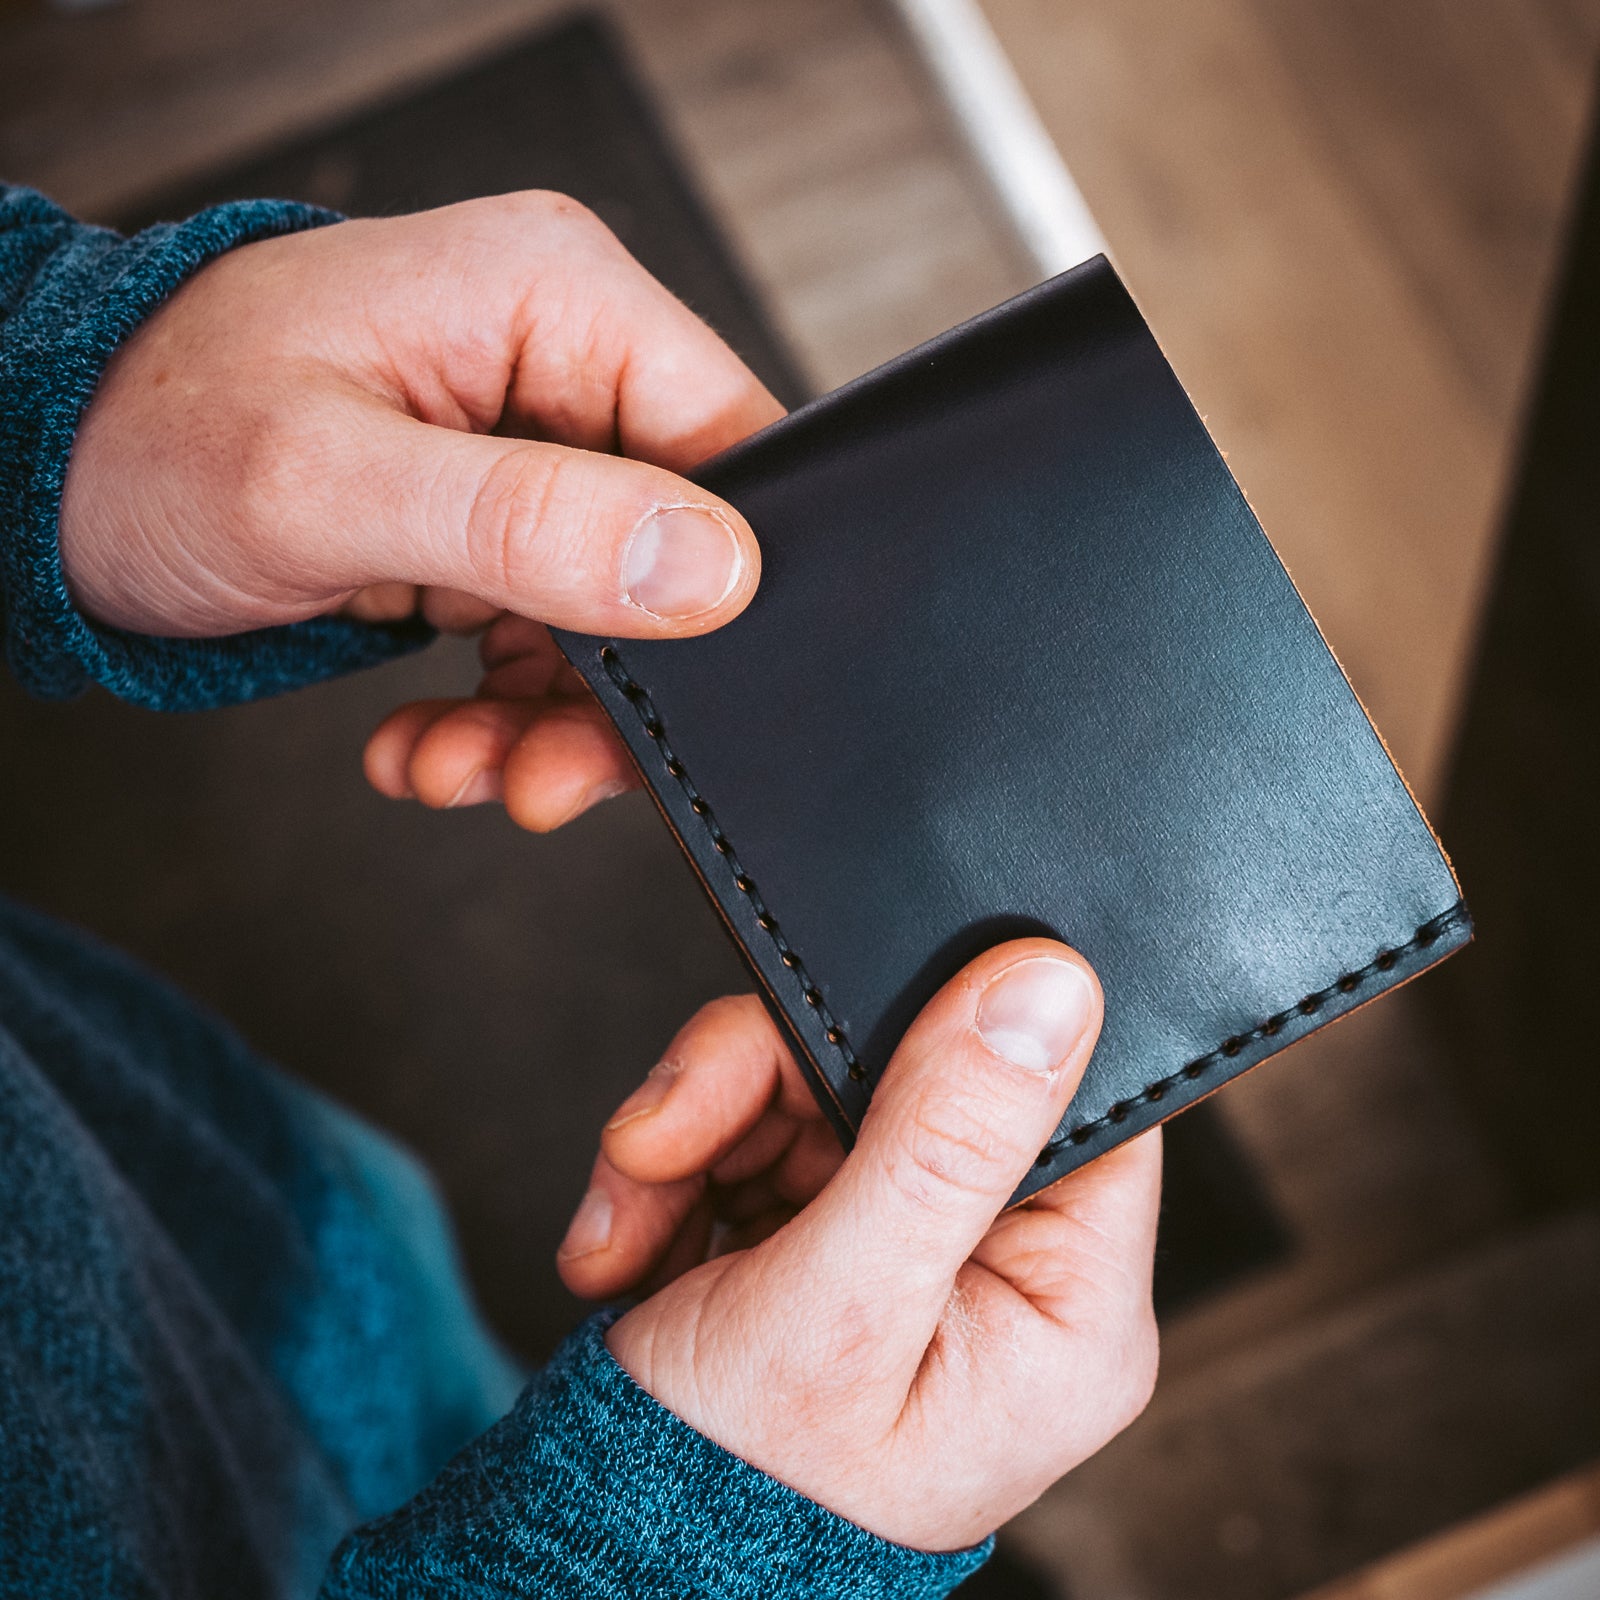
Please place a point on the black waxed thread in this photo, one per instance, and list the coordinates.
(1152, 1093)
(723, 845)
(1347, 983)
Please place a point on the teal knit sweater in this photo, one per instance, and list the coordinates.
(237, 1358)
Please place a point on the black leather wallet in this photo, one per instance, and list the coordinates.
(1022, 661)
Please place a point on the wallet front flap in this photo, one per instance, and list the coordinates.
(1023, 662)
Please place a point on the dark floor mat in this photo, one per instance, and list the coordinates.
(487, 995)
(562, 111)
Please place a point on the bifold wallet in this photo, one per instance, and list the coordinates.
(1023, 662)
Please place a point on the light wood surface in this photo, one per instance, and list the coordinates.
(1300, 1457)
(1463, 1562)
(1340, 219)
(809, 127)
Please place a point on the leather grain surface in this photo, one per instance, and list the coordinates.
(1022, 661)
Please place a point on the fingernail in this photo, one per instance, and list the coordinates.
(646, 1100)
(609, 789)
(1034, 1012)
(590, 1229)
(479, 785)
(681, 563)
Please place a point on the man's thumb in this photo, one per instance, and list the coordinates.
(570, 537)
(975, 1089)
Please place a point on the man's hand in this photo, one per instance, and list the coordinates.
(429, 411)
(872, 1329)
(533, 737)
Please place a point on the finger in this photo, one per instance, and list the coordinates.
(1084, 1248)
(458, 759)
(969, 1098)
(510, 638)
(724, 1071)
(744, 1202)
(748, 1234)
(692, 1244)
(382, 602)
(568, 759)
(613, 360)
(809, 1164)
(450, 611)
(762, 1147)
(621, 1230)
(522, 661)
(387, 758)
(570, 537)
(781, 1164)
(531, 678)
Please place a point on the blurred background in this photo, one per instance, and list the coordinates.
(1368, 237)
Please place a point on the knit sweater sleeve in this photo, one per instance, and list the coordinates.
(591, 1490)
(588, 1487)
(69, 296)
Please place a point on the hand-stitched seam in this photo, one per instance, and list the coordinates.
(636, 695)
(1307, 1006)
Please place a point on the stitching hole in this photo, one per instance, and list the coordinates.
(857, 1072)
(1348, 983)
(1081, 1135)
(1231, 1047)
(789, 959)
(1117, 1112)
(1272, 1027)
(1310, 1006)
(767, 922)
(743, 882)
(1385, 960)
(1194, 1069)
(813, 997)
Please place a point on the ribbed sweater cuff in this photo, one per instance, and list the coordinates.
(591, 1488)
(69, 296)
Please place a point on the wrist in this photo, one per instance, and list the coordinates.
(89, 293)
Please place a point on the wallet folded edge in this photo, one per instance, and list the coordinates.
(798, 1004)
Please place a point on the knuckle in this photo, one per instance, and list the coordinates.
(734, 1017)
(516, 504)
(552, 207)
(853, 1342)
(950, 1148)
(279, 449)
(1141, 1364)
(824, 1372)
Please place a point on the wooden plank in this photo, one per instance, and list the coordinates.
(827, 154)
(1341, 220)
(1298, 1459)
(1508, 1541)
(819, 143)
